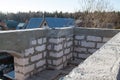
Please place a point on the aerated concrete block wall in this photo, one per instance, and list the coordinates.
(104, 64)
(87, 41)
(37, 49)
(34, 59)
(59, 47)
(34, 54)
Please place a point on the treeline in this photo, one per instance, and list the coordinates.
(22, 16)
(94, 19)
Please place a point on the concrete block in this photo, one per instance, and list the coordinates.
(58, 47)
(40, 41)
(57, 62)
(99, 45)
(56, 41)
(84, 56)
(40, 63)
(79, 49)
(44, 40)
(94, 38)
(40, 48)
(67, 51)
(34, 42)
(21, 61)
(88, 44)
(57, 54)
(25, 69)
(29, 51)
(19, 76)
(36, 57)
(69, 43)
(79, 37)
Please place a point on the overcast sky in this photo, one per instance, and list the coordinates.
(45, 5)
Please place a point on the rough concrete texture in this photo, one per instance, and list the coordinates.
(95, 32)
(102, 65)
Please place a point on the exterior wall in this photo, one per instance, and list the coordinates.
(37, 49)
(33, 61)
(87, 41)
(104, 64)
(60, 47)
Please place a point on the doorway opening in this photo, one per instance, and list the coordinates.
(6, 66)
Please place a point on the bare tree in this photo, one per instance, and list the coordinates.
(96, 13)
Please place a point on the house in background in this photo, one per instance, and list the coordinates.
(11, 24)
(50, 22)
(21, 26)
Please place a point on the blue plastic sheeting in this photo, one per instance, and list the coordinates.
(10, 75)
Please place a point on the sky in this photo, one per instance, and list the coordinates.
(45, 5)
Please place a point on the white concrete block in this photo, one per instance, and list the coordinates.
(40, 48)
(40, 41)
(25, 69)
(34, 42)
(36, 57)
(21, 61)
(99, 45)
(67, 51)
(88, 44)
(58, 47)
(40, 63)
(57, 62)
(79, 37)
(84, 56)
(94, 38)
(57, 55)
(53, 40)
(19, 76)
(29, 51)
(69, 43)
(44, 40)
(79, 49)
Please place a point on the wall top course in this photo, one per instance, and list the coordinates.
(95, 32)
